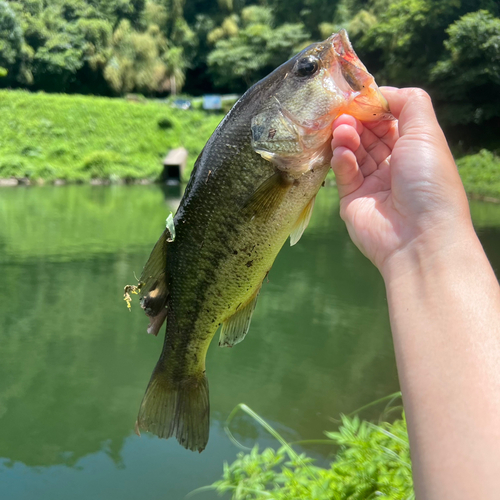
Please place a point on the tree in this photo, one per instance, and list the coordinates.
(310, 13)
(247, 47)
(97, 34)
(406, 38)
(176, 65)
(468, 78)
(155, 13)
(136, 62)
(11, 43)
(118, 10)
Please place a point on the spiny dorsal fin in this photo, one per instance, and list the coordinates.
(236, 327)
(154, 290)
(268, 196)
(302, 222)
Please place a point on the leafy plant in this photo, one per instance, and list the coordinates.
(101, 164)
(372, 461)
(165, 122)
(12, 166)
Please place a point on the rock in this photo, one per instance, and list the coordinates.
(9, 182)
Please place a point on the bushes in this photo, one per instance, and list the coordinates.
(480, 174)
(165, 122)
(12, 166)
(102, 164)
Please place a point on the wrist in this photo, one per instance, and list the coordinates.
(433, 252)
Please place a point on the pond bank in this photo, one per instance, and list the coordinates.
(473, 195)
(61, 139)
(25, 181)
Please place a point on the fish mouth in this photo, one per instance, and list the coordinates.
(343, 48)
(360, 81)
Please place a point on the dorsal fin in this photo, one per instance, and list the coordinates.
(302, 222)
(153, 285)
(236, 327)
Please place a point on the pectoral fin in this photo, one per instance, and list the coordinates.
(236, 327)
(302, 222)
(153, 286)
(268, 196)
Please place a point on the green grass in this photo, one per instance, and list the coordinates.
(79, 138)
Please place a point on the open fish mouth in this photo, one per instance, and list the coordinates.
(343, 48)
(361, 82)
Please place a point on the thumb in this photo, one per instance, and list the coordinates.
(423, 155)
(413, 109)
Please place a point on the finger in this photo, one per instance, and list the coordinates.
(423, 154)
(413, 109)
(379, 181)
(386, 131)
(366, 163)
(346, 136)
(348, 120)
(347, 173)
(374, 147)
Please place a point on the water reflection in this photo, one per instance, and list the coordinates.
(173, 194)
(75, 363)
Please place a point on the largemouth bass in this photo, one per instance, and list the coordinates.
(252, 187)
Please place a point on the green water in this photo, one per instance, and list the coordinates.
(74, 362)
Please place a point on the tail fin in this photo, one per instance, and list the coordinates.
(179, 409)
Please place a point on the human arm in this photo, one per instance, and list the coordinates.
(405, 208)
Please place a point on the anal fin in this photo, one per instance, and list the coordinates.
(302, 222)
(236, 327)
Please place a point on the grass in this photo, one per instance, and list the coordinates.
(49, 137)
(80, 138)
(371, 461)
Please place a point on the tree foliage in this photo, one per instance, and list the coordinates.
(449, 47)
(468, 77)
(11, 40)
(247, 47)
(136, 60)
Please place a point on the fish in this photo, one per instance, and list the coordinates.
(252, 187)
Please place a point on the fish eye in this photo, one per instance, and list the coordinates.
(307, 66)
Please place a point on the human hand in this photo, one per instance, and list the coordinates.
(400, 193)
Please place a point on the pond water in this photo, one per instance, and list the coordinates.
(74, 363)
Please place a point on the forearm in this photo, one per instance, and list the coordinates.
(445, 318)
